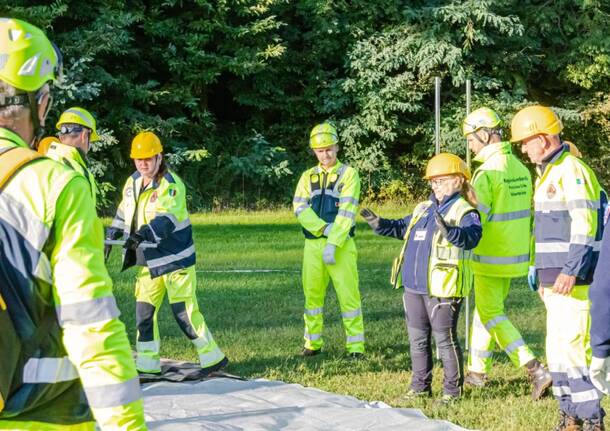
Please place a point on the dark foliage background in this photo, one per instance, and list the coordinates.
(234, 86)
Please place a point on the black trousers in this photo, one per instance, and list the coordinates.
(428, 315)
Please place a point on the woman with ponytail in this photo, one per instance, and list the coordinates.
(434, 269)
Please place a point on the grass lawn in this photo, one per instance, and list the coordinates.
(256, 319)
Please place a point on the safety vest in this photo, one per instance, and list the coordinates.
(324, 197)
(72, 158)
(568, 216)
(162, 206)
(504, 190)
(449, 272)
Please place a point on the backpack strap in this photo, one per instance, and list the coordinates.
(12, 159)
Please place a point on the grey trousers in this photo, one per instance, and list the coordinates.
(426, 316)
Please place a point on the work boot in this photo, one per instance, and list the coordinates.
(567, 423)
(445, 400)
(593, 425)
(355, 356)
(477, 380)
(216, 367)
(413, 395)
(309, 352)
(539, 377)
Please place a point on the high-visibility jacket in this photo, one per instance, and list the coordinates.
(449, 272)
(73, 158)
(328, 196)
(158, 212)
(53, 280)
(504, 190)
(568, 218)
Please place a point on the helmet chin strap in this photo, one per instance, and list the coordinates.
(38, 130)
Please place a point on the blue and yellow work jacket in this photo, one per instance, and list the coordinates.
(158, 212)
(328, 196)
(568, 203)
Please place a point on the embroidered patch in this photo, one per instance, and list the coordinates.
(172, 192)
(153, 197)
(551, 191)
(128, 192)
(420, 235)
(315, 178)
(580, 181)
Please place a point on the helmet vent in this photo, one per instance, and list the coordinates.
(14, 34)
(3, 60)
(29, 66)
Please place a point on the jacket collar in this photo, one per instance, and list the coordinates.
(69, 152)
(444, 204)
(488, 151)
(8, 138)
(331, 170)
(554, 156)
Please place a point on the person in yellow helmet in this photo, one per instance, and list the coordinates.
(325, 204)
(568, 202)
(66, 360)
(153, 210)
(504, 191)
(77, 129)
(434, 269)
(45, 143)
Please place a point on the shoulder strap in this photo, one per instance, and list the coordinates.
(13, 159)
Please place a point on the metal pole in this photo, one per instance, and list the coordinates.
(467, 301)
(437, 114)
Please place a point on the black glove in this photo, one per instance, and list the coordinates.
(371, 218)
(133, 241)
(441, 225)
(107, 250)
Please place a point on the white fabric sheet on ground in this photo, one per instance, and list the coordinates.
(230, 405)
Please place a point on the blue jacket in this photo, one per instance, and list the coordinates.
(415, 264)
(599, 294)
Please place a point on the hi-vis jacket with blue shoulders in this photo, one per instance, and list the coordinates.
(158, 213)
(568, 203)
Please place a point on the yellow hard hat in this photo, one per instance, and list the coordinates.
(573, 149)
(446, 164)
(534, 120)
(145, 145)
(76, 115)
(45, 144)
(323, 135)
(479, 119)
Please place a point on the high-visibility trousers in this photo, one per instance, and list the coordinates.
(568, 352)
(490, 326)
(344, 275)
(181, 291)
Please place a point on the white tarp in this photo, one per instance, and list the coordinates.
(223, 404)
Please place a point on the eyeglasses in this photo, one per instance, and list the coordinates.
(438, 181)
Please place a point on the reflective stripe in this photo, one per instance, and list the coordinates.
(501, 260)
(314, 311)
(583, 397)
(298, 199)
(348, 214)
(577, 373)
(348, 199)
(570, 205)
(80, 115)
(205, 340)
(560, 391)
(327, 192)
(493, 322)
(312, 337)
(481, 353)
(23, 221)
(561, 247)
(483, 208)
(211, 358)
(514, 346)
(178, 225)
(300, 209)
(114, 395)
(87, 312)
(148, 346)
(49, 370)
(153, 263)
(146, 363)
(351, 314)
(355, 338)
(513, 215)
(43, 269)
